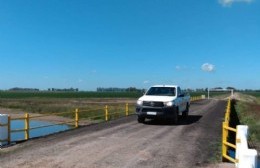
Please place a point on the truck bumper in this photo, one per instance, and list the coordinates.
(155, 112)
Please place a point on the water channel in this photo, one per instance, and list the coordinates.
(19, 124)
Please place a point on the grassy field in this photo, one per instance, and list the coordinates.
(91, 104)
(248, 110)
(23, 95)
(63, 95)
(255, 94)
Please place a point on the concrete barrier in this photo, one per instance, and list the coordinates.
(247, 157)
(3, 129)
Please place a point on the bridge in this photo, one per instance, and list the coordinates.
(126, 143)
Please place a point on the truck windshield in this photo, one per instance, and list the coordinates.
(161, 91)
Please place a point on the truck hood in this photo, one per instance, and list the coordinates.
(157, 98)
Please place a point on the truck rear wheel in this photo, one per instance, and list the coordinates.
(140, 119)
(186, 112)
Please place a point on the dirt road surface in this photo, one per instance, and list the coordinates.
(126, 143)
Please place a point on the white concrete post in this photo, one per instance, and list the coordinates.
(3, 129)
(247, 158)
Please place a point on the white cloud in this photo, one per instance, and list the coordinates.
(146, 82)
(178, 67)
(227, 3)
(208, 67)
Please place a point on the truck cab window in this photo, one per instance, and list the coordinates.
(161, 91)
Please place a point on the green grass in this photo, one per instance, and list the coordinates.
(249, 114)
(216, 154)
(250, 118)
(61, 102)
(255, 94)
(64, 95)
(22, 95)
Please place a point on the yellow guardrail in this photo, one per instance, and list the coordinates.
(195, 98)
(106, 115)
(225, 134)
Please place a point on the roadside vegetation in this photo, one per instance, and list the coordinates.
(67, 95)
(248, 111)
(91, 104)
(63, 95)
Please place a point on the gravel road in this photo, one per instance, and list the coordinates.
(126, 143)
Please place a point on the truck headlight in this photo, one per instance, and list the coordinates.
(139, 102)
(168, 104)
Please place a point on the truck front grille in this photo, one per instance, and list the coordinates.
(153, 104)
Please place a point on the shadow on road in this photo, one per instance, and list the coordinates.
(199, 102)
(182, 121)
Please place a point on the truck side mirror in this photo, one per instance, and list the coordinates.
(181, 95)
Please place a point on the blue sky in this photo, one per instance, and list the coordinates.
(87, 44)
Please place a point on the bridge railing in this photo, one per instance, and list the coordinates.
(105, 113)
(226, 129)
(243, 156)
(195, 98)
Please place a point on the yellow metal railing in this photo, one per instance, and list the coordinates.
(225, 134)
(107, 115)
(195, 98)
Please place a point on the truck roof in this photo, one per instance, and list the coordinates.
(165, 86)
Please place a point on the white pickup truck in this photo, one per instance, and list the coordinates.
(163, 101)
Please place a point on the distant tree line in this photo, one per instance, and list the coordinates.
(238, 90)
(249, 90)
(115, 89)
(133, 89)
(63, 90)
(24, 89)
(129, 89)
(211, 89)
(221, 89)
(50, 89)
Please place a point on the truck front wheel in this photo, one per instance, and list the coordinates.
(140, 119)
(175, 116)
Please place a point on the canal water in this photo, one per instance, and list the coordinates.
(19, 124)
